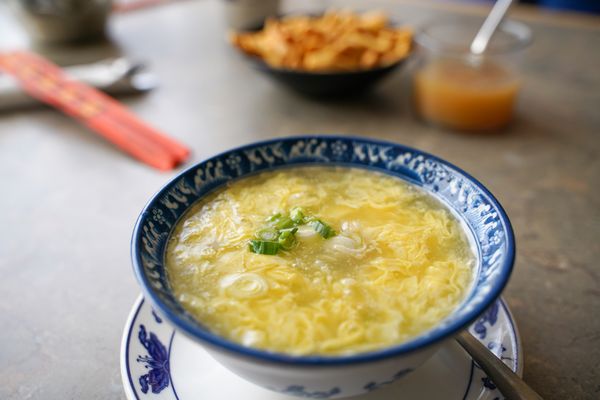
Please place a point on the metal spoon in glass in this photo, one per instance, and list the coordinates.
(509, 383)
(489, 27)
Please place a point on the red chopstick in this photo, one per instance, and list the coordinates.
(128, 121)
(121, 7)
(101, 113)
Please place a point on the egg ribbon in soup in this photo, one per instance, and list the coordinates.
(392, 263)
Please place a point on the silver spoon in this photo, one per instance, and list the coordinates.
(489, 26)
(509, 383)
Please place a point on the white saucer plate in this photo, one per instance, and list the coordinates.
(157, 363)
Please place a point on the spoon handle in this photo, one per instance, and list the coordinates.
(489, 26)
(509, 383)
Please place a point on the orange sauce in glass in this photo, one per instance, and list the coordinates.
(455, 94)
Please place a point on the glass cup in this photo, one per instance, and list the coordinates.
(63, 21)
(249, 14)
(456, 89)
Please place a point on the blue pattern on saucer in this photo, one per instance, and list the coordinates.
(300, 391)
(504, 343)
(489, 316)
(157, 362)
(376, 385)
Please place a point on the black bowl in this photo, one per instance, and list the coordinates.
(326, 84)
(323, 84)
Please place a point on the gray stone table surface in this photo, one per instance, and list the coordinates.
(68, 200)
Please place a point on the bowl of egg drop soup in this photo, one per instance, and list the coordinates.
(325, 263)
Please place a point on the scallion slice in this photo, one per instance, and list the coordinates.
(264, 247)
(297, 215)
(322, 228)
(287, 238)
(274, 217)
(282, 222)
(268, 234)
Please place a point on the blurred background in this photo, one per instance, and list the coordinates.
(70, 196)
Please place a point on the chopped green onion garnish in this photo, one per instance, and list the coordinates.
(264, 247)
(322, 228)
(268, 234)
(297, 215)
(290, 230)
(282, 222)
(274, 217)
(287, 239)
(281, 231)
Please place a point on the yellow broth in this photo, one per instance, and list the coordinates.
(399, 264)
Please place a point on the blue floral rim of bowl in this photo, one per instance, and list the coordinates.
(468, 198)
